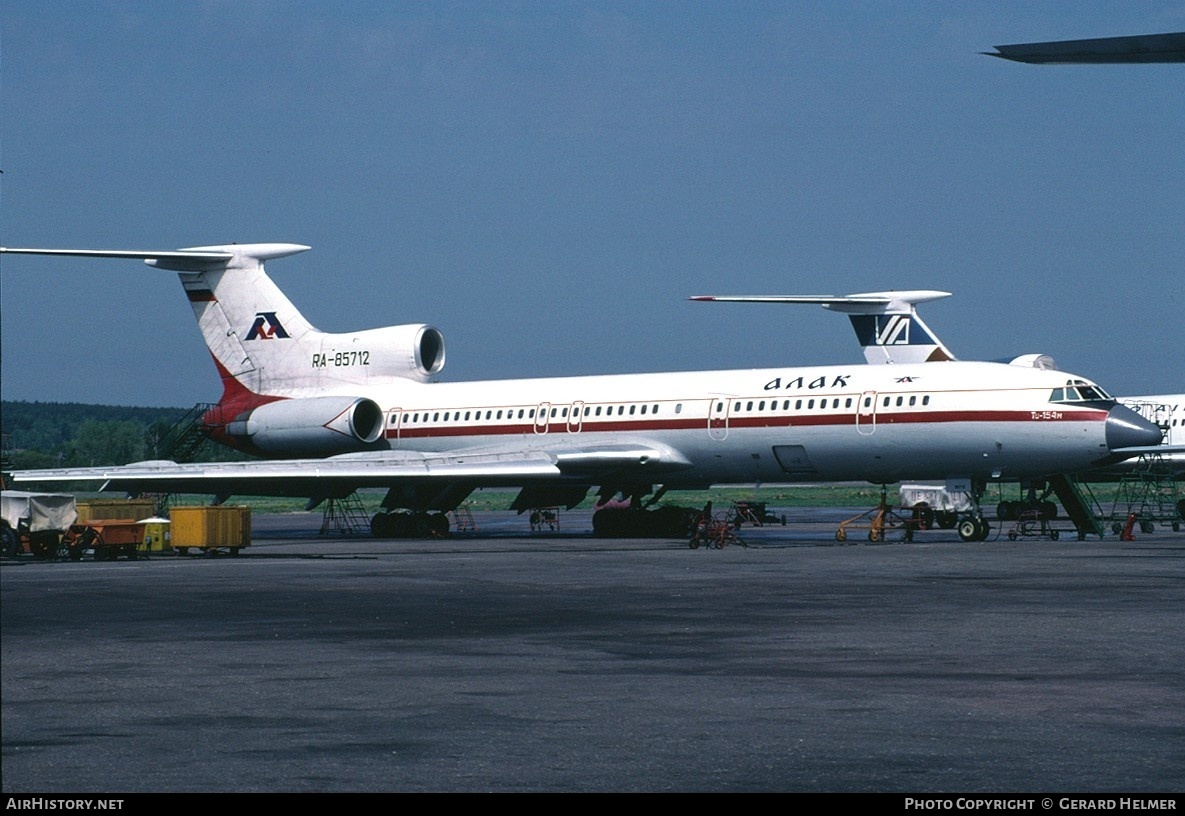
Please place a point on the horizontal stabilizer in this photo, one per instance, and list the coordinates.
(195, 259)
(863, 303)
(886, 323)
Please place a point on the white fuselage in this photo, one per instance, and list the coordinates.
(876, 423)
(1166, 411)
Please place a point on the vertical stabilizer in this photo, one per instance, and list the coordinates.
(256, 335)
(262, 345)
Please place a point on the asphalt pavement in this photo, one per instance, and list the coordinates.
(505, 660)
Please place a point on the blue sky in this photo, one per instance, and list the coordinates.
(547, 182)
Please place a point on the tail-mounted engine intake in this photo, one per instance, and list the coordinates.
(1041, 361)
(414, 351)
(316, 426)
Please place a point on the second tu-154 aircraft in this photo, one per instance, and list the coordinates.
(891, 332)
(335, 412)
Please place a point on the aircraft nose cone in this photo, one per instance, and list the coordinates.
(1127, 429)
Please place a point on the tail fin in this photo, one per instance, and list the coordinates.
(886, 323)
(252, 329)
(262, 344)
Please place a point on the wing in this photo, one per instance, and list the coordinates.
(453, 474)
(1137, 48)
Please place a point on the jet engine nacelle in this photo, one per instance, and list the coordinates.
(314, 426)
(414, 351)
(1041, 361)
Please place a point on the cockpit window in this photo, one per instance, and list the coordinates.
(1080, 391)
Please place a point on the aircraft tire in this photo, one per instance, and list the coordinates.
(381, 525)
(969, 529)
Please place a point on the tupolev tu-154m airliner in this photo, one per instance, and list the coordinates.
(891, 332)
(335, 412)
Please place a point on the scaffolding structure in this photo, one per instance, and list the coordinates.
(345, 516)
(1150, 493)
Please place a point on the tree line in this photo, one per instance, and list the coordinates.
(68, 434)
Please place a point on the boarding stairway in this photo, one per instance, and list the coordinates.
(1078, 506)
(182, 442)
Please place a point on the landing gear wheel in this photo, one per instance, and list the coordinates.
(974, 528)
(841, 535)
(969, 529)
(381, 525)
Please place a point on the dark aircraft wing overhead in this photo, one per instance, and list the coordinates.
(1138, 48)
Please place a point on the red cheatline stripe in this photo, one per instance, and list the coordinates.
(700, 423)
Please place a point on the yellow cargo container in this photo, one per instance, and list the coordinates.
(115, 509)
(210, 528)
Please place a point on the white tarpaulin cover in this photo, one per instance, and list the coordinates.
(937, 496)
(40, 511)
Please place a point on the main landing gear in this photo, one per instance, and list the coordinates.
(409, 525)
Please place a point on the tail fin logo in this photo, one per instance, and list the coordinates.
(266, 327)
(894, 331)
